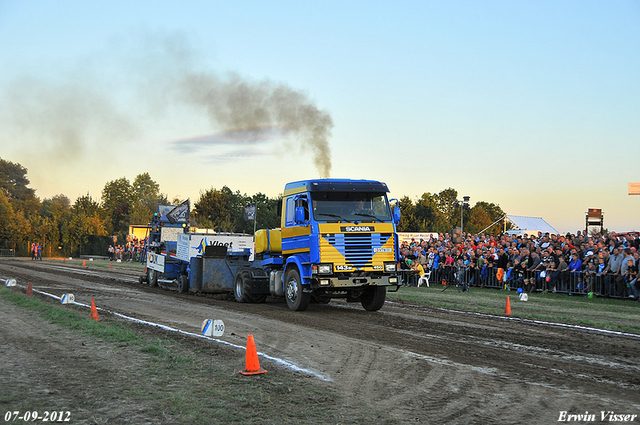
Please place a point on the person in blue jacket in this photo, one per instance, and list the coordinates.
(575, 268)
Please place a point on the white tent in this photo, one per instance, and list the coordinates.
(531, 224)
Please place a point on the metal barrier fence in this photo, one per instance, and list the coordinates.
(7, 253)
(571, 283)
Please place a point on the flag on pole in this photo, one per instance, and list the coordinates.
(250, 212)
(179, 214)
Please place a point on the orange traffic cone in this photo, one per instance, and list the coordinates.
(507, 309)
(252, 365)
(94, 311)
(112, 264)
(84, 263)
(29, 291)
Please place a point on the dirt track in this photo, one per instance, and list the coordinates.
(415, 364)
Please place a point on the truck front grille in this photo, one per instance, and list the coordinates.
(357, 249)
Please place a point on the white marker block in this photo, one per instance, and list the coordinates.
(11, 282)
(212, 327)
(67, 299)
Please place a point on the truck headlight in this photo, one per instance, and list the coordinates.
(322, 268)
(390, 267)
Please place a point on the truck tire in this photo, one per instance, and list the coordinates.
(183, 283)
(239, 288)
(153, 278)
(297, 300)
(242, 289)
(373, 298)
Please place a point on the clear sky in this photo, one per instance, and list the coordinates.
(534, 106)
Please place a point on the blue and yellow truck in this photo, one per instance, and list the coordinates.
(337, 240)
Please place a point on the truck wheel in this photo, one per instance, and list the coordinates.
(183, 283)
(242, 289)
(297, 300)
(373, 297)
(153, 278)
(238, 289)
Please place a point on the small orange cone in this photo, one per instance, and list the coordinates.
(94, 311)
(64, 261)
(29, 291)
(252, 365)
(84, 263)
(507, 309)
(112, 264)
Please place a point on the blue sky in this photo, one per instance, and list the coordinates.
(533, 106)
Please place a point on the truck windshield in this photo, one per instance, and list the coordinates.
(349, 206)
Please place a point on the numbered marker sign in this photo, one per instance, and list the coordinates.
(68, 299)
(212, 327)
(11, 282)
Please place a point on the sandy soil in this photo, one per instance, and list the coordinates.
(415, 364)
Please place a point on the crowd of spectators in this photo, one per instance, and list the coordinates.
(133, 250)
(598, 265)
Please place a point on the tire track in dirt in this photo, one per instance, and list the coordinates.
(411, 363)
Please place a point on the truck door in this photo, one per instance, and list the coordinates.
(296, 232)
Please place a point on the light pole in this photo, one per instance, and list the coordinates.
(465, 202)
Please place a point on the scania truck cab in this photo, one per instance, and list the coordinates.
(338, 241)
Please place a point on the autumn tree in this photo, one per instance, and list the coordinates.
(14, 227)
(408, 221)
(447, 202)
(52, 227)
(7, 214)
(477, 219)
(429, 215)
(267, 216)
(213, 210)
(13, 183)
(117, 200)
(146, 198)
(440, 213)
(223, 210)
(483, 215)
(87, 221)
(18, 202)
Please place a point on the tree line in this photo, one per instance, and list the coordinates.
(442, 212)
(89, 226)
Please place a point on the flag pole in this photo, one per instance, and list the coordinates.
(255, 216)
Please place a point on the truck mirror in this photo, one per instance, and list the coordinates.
(396, 215)
(299, 215)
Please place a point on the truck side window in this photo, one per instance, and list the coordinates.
(304, 203)
(290, 212)
(291, 204)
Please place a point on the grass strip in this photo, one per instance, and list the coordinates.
(72, 319)
(602, 313)
(160, 377)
